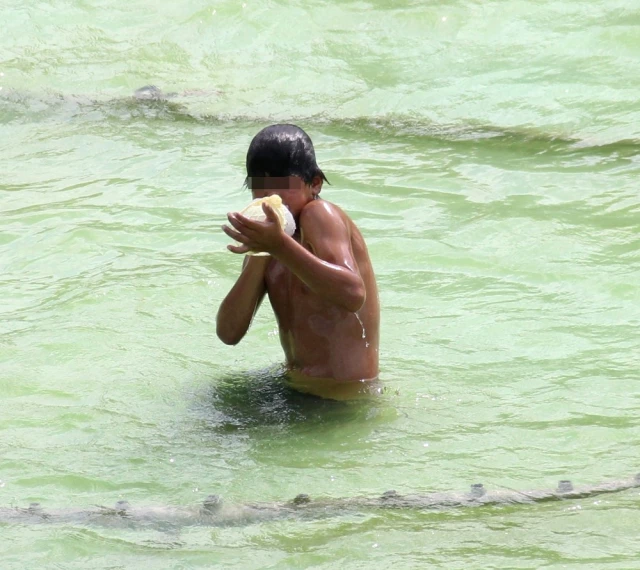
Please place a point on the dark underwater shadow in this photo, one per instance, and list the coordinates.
(258, 398)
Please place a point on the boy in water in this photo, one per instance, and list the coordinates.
(320, 281)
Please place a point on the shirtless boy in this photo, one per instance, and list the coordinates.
(320, 281)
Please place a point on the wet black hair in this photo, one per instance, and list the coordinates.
(282, 150)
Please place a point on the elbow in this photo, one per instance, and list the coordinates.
(227, 334)
(356, 298)
(228, 339)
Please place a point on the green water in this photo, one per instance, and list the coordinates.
(490, 153)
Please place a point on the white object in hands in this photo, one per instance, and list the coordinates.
(254, 212)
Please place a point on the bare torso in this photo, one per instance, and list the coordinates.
(320, 339)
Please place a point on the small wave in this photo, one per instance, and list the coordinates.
(25, 106)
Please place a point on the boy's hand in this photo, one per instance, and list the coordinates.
(254, 236)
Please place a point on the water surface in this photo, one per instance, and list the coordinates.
(489, 152)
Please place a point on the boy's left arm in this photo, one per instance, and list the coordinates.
(328, 267)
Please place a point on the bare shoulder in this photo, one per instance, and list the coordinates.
(326, 215)
(328, 232)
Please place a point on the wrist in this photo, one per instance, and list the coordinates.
(256, 263)
(282, 246)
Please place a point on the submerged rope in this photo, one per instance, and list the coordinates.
(214, 512)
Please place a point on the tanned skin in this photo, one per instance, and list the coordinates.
(320, 283)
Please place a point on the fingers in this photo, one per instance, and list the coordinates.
(270, 213)
(240, 222)
(252, 235)
(238, 248)
(244, 245)
(237, 221)
(237, 236)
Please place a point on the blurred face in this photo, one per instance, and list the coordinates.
(294, 192)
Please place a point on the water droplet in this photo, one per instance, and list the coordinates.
(375, 545)
(364, 335)
(444, 18)
(425, 444)
(172, 460)
(1, 484)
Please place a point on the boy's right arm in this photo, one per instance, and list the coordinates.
(240, 305)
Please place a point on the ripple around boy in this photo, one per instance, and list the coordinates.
(320, 281)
